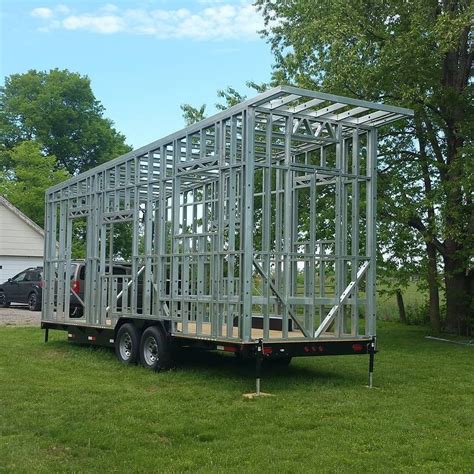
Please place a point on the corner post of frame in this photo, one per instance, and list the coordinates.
(44, 305)
(371, 234)
(247, 224)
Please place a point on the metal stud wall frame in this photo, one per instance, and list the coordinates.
(256, 223)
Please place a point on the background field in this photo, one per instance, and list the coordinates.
(415, 304)
(65, 407)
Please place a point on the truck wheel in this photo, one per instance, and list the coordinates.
(154, 352)
(127, 343)
(34, 303)
(4, 303)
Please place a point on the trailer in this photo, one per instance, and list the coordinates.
(252, 231)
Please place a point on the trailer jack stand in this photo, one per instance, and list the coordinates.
(258, 373)
(371, 362)
(258, 367)
(46, 335)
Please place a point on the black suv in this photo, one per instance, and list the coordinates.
(26, 287)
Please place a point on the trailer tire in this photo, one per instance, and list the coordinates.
(154, 351)
(127, 344)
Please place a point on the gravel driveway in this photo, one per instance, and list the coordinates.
(19, 316)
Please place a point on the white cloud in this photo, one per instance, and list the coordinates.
(105, 24)
(42, 13)
(216, 20)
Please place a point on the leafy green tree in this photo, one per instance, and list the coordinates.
(415, 53)
(59, 110)
(192, 114)
(231, 97)
(33, 174)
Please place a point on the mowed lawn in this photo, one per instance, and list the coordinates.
(71, 408)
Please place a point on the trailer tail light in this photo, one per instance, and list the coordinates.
(357, 347)
(91, 338)
(76, 286)
(314, 348)
(267, 350)
(71, 335)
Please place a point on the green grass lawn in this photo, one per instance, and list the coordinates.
(70, 408)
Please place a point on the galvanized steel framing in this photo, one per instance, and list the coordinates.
(265, 212)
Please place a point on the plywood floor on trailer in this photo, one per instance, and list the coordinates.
(256, 333)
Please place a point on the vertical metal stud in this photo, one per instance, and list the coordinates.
(247, 226)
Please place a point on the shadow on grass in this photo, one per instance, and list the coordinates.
(219, 365)
(224, 367)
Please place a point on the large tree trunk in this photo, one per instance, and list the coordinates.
(456, 74)
(432, 278)
(458, 297)
(432, 269)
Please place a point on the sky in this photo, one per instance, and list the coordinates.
(144, 58)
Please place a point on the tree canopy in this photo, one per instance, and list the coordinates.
(59, 111)
(33, 173)
(51, 127)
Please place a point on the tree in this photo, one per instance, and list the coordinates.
(59, 110)
(33, 173)
(415, 53)
(231, 97)
(192, 114)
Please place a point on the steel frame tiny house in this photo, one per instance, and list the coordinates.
(252, 228)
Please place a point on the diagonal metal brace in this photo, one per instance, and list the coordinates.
(129, 284)
(279, 297)
(343, 298)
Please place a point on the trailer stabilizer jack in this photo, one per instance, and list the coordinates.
(371, 362)
(259, 354)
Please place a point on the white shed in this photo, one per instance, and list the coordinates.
(21, 241)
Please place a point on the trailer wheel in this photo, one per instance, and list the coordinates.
(154, 352)
(127, 344)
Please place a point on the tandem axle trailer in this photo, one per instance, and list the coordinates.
(252, 231)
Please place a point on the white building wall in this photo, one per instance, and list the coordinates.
(21, 245)
(11, 266)
(17, 238)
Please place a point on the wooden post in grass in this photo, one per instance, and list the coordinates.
(401, 306)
